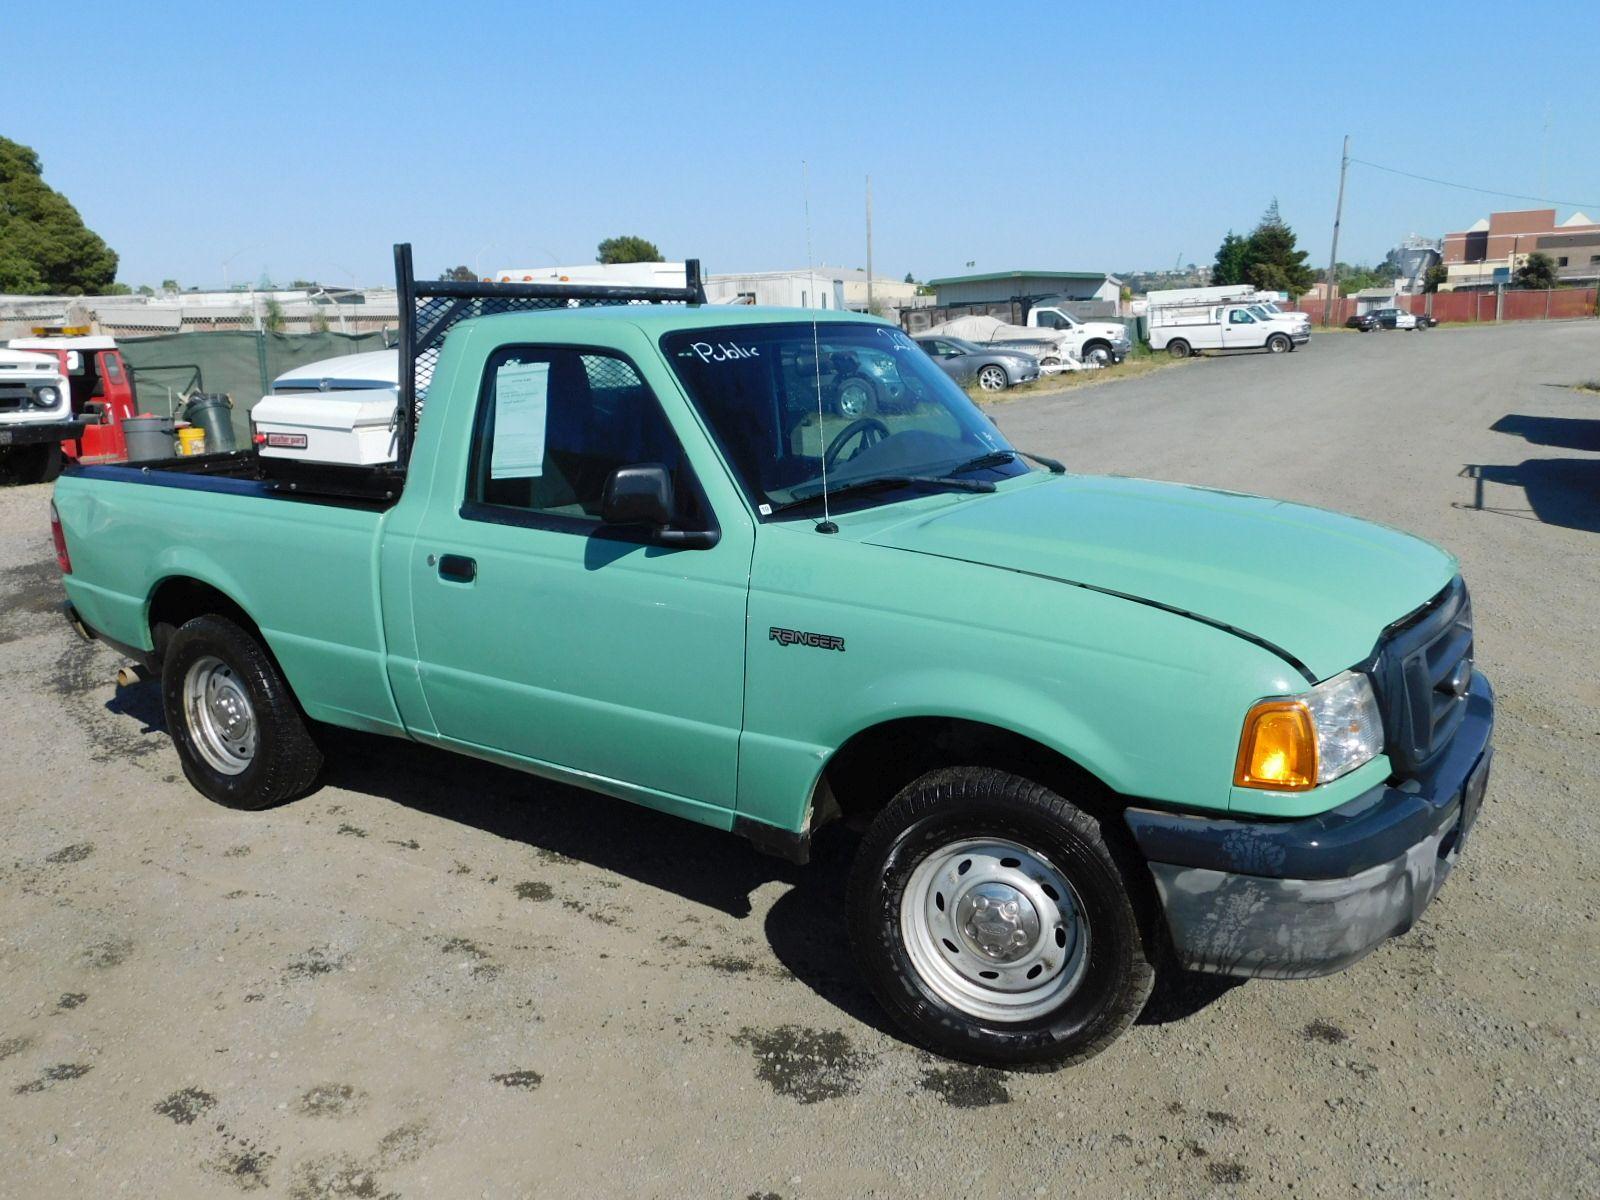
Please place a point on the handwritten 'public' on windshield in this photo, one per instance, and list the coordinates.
(723, 352)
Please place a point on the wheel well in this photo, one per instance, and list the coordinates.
(868, 770)
(181, 599)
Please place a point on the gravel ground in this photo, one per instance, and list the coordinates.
(438, 978)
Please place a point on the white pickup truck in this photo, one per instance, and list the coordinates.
(35, 415)
(1099, 342)
(1185, 329)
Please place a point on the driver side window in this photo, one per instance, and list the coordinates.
(555, 422)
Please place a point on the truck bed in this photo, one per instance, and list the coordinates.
(245, 472)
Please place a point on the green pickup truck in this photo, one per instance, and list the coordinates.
(1089, 728)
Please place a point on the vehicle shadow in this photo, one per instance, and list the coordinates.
(1560, 491)
(805, 926)
(142, 702)
(1570, 433)
(701, 864)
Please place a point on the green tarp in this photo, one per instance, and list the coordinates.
(168, 367)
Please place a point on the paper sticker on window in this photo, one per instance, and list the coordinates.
(520, 395)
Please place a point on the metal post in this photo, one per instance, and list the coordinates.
(1333, 257)
(869, 243)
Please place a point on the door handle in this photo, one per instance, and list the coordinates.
(458, 568)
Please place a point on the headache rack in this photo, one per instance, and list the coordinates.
(430, 308)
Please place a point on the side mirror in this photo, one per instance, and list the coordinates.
(638, 495)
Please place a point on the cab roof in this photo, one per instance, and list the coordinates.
(658, 319)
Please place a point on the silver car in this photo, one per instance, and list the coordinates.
(967, 362)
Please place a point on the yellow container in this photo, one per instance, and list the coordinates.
(191, 440)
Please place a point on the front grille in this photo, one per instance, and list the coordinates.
(1423, 666)
(14, 397)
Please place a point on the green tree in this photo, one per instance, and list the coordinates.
(1275, 264)
(909, 279)
(118, 289)
(461, 274)
(1232, 259)
(1538, 270)
(1436, 274)
(272, 318)
(45, 248)
(627, 249)
(146, 290)
(170, 285)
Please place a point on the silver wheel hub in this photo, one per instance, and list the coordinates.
(221, 719)
(997, 921)
(994, 929)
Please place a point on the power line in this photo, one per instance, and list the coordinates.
(1467, 187)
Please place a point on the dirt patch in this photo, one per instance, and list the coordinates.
(534, 890)
(74, 853)
(526, 1080)
(184, 1105)
(352, 831)
(32, 589)
(1227, 1172)
(1325, 1032)
(50, 1076)
(101, 955)
(315, 962)
(13, 1045)
(966, 1087)
(331, 1100)
(70, 1000)
(729, 964)
(337, 1177)
(808, 1065)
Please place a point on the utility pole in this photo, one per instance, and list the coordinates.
(1333, 258)
(869, 243)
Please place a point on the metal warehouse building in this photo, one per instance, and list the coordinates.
(1026, 287)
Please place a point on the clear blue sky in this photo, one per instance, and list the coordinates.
(303, 140)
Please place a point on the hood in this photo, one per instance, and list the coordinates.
(20, 361)
(1107, 329)
(1318, 585)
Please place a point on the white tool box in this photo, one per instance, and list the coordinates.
(353, 428)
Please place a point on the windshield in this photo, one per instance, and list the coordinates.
(886, 409)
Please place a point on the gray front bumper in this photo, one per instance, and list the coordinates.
(1295, 899)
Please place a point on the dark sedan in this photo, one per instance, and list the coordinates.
(1365, 322)
(968, 363)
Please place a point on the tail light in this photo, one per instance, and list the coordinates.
(63, 559)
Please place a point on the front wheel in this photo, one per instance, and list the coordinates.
(856, 397)
(1278, 344)
(239, 733)
(993, 379)
(995, 923)
(1098, 353)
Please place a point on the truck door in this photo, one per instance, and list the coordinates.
(544, 635)
(1240, 330)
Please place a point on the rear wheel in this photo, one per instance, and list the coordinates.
(1178, 348)
(240, 736)
(994, 921)
(1278, 344)
(993, 379)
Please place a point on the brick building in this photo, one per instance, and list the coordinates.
(1491, 250)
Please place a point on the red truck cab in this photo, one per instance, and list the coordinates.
(101, 388)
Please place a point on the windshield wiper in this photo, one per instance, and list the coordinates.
(875, 482)
(995, 457)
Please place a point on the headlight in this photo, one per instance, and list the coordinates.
(46, 397)
(1295, 743)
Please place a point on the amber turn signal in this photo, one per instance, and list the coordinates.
(1278, 751)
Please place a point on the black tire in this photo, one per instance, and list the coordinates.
(1098, 352)
(857, 396)
(947, 806)
(1279, 343)
(1179, 348)
(285, 762)
(54, 460)
(25, 464)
